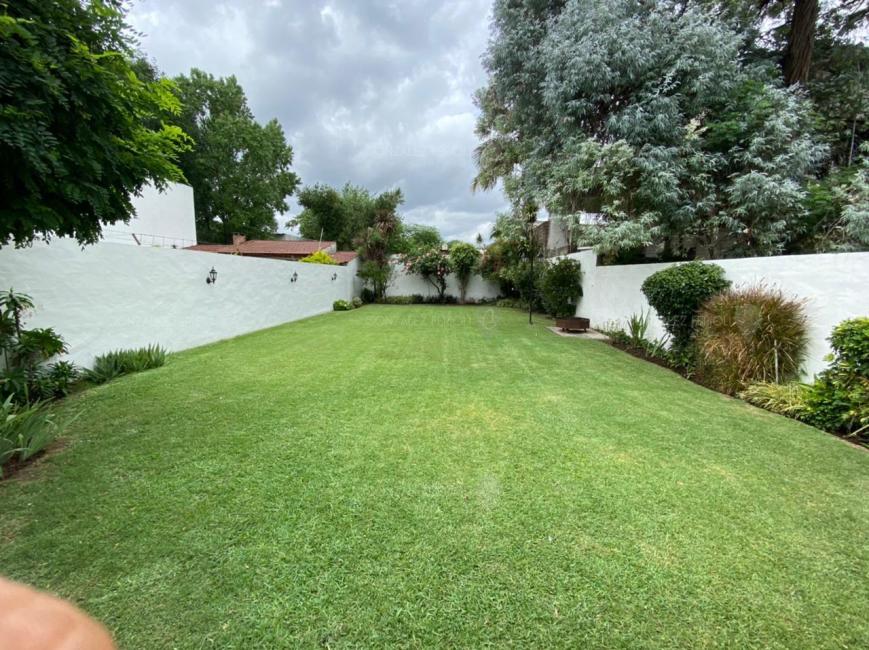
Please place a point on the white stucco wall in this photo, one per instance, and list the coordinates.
(163, 219)
(406, 284)
(111, 296)
(834, 286)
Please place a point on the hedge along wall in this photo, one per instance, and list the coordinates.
(407, 284)
(111, 296)
(834, 286)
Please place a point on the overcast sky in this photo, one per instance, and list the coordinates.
(373, 92)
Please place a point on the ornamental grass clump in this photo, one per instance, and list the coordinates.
(25, 430)
(123, 362)
(749, 335)
(785, 399)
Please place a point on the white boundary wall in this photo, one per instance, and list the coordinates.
(834, 286)
(111, 296)
(164, 219)
(406, 284)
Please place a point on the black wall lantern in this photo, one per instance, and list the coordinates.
(334, 277)
(294, 277)
(212, 276)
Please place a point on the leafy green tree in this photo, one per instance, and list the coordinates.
(417, 237)
(838, 210)
(240, 170)
(431, 265)
(378, 242)
(338, 216)
(521, 253)
(818, 46)
(561, 287)
(324, 215)
(80, 132)
(647, 115)
(464, 261)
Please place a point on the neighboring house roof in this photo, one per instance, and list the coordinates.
(279, 248)
(266, 247)
(342, 257)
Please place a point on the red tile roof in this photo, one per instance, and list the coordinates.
(342, 257)
(277, 248)
(302, 247)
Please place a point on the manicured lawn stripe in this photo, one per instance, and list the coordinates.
(418, 476)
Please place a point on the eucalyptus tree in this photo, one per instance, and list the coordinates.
(646, 114)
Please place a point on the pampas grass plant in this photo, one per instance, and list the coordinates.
(749, 335)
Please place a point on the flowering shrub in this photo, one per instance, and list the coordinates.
(433, 266)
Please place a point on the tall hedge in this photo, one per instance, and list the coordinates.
(678, 292)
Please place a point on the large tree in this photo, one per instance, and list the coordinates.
(645, 113)
(379, 240)
(80, 131)
(240, 170)
(337, 215)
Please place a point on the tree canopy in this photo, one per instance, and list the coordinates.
(240, 170)
(379, 240)
(664, 119)
(80, 131)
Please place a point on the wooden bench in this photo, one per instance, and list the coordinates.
(574, 324)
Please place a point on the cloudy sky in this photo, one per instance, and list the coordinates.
(375, 92)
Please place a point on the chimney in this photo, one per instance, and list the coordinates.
(238, 239)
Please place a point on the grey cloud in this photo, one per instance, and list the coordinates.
(376, 93)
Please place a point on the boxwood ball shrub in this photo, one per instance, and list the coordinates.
(357, 302)
(341, 305)
(560, 287)
(678, 292)
(839, 399)
(749, 335)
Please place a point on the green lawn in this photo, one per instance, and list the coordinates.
(422, 476)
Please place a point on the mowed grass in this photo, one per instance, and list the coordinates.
(441, 476)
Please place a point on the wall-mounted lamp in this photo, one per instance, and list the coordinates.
(294, 277)
(212, 276)
(334, 277)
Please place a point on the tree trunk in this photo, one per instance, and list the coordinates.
(531, 291)
(801, 40)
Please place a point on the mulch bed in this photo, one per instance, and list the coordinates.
(642, 354)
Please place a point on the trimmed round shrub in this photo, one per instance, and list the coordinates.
(357, 302)
(678, 292)
(341, 305)
(750, 335)
(560, 287)
(839, 400)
